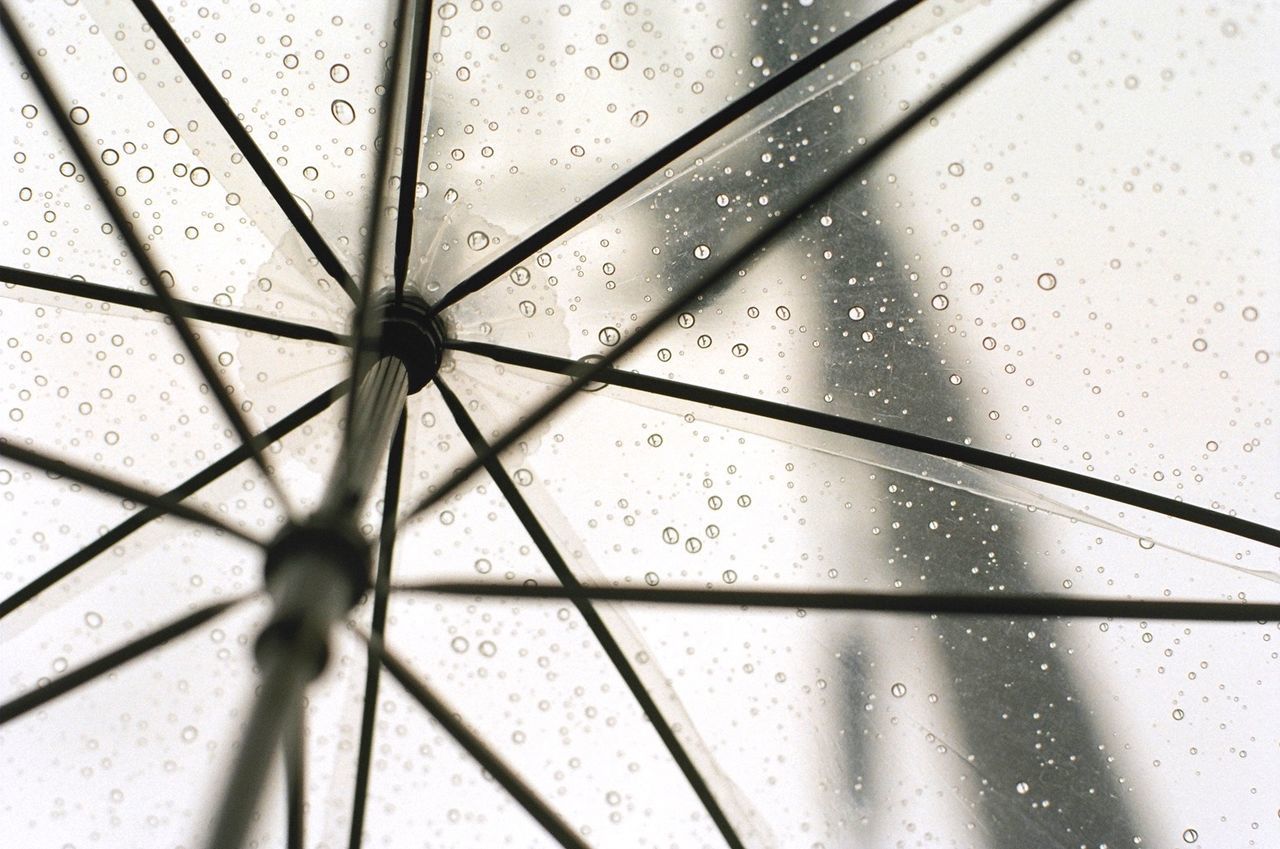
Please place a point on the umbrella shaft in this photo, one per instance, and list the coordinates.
(380, 396)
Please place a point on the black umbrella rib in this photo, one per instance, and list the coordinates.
(145, 301)
(125, 228)
(592, 617)
(373, 668)
(742, 255)
(412, 146)
(198, 481)
(672, 151)
(61, 686)
(114, 486)
(884, 436)
(939, 604)
(477, 748)
(208, 92)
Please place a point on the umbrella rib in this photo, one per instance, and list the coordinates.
(412, 145)
(365, 329)
(592, 617)
(883, 435)
(271, 181)
(373, 667)
(134, 648)
(114, 486)
(476, 747)
(146, 301)
(724, 268)
(672, 151)
(196, 482)
(132, 241)
(934, 603)
(295, 777)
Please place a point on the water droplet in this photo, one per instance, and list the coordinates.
(693, 545)
(702, 252)
(93, 619)
(857, 313)
(170, 136)
(739, 350)
(618, 60)
(610, 336)
(1190, 836)
(1146, 543)
(639, 118)
(199, 176)
(670, 536)
(955, 169)
(729, 576)
(459, 644)
(1178, 714)
(528, 309)
(1023, 788)
(119, 74)
(783, 313)
(477, 240)
(520, 276)
(1047, 281)
(343, 112)
(899, 690)
(79, 115)
(651, 578)
(484, 567)
(664, 355)
(655, 440)
(189, 734)
(940, 302)
(488, 648)
(524, 477)
(145, 174)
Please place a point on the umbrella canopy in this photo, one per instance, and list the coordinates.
(639, 424)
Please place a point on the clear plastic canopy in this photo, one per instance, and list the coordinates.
(899, 384)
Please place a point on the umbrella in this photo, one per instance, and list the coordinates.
(723, 426)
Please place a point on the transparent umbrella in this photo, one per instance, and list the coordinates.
(639, 424)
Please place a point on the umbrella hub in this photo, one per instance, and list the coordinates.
(315, 572)
(410, 332)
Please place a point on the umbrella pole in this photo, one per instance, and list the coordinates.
(316, 570)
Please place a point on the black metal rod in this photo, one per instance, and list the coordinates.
(113, 486)
(373, 668)
(40, 696)
(477, 748)
(144, 301)
(940, 603)
(295, 777)
(412, 146)
(140, 255)
(198, 481)
(592, 617)
(882, 435)
(742, 255)
(683, 144)
(271, 181)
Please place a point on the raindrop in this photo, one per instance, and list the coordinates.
(1147, 543)
(310, 172)
(722, 200)
(655, 439)
(940, 302)
(670, 536)
(477, 240)
(610, 336)
(857, 313)
(459, 644)
(639, 118)
(343, 112)
(189, 734)
(524, 477)
(1178, 714)
(651, 578)
(739, 350)
(693, 545)
(484, 567)
(119, 74)
(702, 252)
(1023, 788)
(199, 176)
(79, 115)
(955, 169)
(1018, 323)
(729, 576)
(520, 276)
(685, 320)
(339, 73)
(1200, 345)
(1046, 281)
(899, 690)
(488, 648)
(528, 309)
(93, 619)
(664, 355)
(145, 174)
(447, 11)
(225, 358)
(1190, 836)
(618, 61)
(30, 111)
(704, 341)
(744, 500)
(171, 136)
(783, 313)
